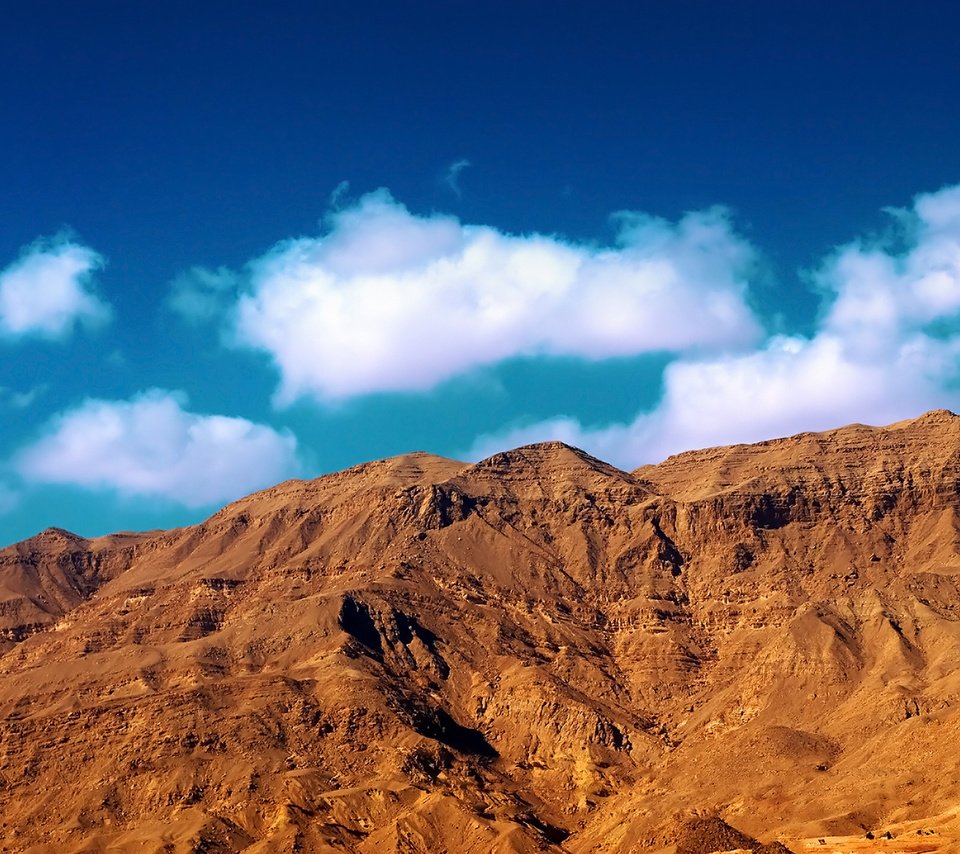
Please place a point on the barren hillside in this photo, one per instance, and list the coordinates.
(535, 652)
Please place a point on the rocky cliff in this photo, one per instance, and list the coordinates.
(535, 652)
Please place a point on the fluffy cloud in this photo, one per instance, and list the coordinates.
(389, 301)
(887, 348)
(46, 291)
(152, 446)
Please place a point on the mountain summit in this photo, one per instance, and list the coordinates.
(537, 652)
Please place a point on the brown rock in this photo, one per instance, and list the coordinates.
(536, 652)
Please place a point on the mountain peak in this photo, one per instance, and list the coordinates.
(933, 418)
(534, 652)
(547, 458)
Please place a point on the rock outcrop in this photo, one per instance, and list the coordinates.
(535, 652)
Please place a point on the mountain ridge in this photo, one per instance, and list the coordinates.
(534, 652)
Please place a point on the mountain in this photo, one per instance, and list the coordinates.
(537, 652)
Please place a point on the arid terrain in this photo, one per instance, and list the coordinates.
(752, 648)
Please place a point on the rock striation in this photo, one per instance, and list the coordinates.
(537, 652)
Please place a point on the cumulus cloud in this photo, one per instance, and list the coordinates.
(390, 301)
(152, 446)
(887, 347)
(46, 292)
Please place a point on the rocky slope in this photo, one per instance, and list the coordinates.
(535, 652)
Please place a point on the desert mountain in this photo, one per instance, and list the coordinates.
(538, 652)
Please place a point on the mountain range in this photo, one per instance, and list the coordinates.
(750, 648)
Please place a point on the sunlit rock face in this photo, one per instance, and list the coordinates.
(535, 652)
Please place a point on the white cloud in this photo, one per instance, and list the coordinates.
(152, 446)
(887, 348)
(21, 399)
(8, 498)
(338, 194)
(389, 301)
(200, 294)
(46, 291)
(452, 176)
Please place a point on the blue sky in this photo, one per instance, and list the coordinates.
(240, 243)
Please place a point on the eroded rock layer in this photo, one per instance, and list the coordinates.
(535, 652)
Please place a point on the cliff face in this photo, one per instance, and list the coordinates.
(536, 652)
